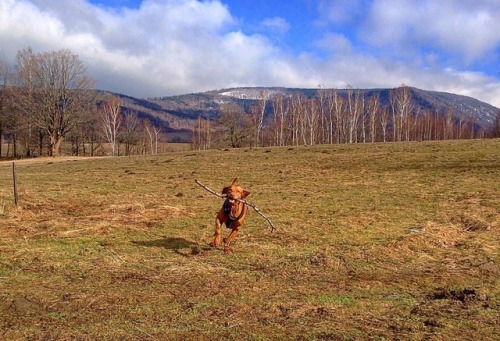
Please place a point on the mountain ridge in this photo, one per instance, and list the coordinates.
(176, 114)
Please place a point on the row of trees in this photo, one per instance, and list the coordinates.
(331, 117)
(47, 99)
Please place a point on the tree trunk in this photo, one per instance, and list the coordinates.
(56, 146)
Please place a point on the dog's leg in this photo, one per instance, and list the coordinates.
(232, 235)
(216, 239)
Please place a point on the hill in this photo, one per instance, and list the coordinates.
(176, 113)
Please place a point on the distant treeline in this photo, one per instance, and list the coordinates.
(335, 117)
(49, 105)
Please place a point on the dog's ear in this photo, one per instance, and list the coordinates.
(234, 181)
(245, 193)
(225, 190)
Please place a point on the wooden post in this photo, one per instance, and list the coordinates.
(14, 181)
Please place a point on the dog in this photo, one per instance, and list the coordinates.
(232, 213)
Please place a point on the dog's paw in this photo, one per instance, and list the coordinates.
(227, 250)
(215, 242)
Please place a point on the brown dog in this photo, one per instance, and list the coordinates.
(232, 213)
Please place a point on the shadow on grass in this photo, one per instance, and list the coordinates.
(175, 244)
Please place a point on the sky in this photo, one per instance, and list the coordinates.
(155, 48)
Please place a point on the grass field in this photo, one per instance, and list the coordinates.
(373, 242)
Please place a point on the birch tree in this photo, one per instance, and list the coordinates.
(402, 107)
(154, 136)
(263, 97)
(373, 108)
(280, 115)
(111, 122)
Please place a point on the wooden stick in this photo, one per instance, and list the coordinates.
(271, 225)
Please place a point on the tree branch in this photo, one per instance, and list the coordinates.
(271, 225)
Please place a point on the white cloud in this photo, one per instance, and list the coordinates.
(276, 25)
(467, 28)
(340, 11)
(171, 47)
(335, 43)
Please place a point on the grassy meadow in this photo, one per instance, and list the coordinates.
(373, 242)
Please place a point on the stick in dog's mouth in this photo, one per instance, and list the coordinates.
(271, 225)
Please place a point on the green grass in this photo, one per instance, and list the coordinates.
(381, 241)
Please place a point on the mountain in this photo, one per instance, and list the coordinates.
(176, 114)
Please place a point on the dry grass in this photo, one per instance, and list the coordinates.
(383, 241)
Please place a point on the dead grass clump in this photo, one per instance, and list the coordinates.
(472, 223)
(490, 267)
(432, 235)
(142, 215)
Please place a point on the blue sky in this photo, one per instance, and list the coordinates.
(166, 47)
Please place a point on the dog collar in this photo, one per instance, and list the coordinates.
(227, 212)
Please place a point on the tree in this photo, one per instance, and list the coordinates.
(496, 125)
(384, 122)
(201, 134)
(339, 105)
(355, 108)
(234, 126)
(130, 131)
(402, 106)
(280, 115)
(260, 112)
(110, 122)
(311, 114)
(4, 78)
(154, 136)
(373, 112)
(53, 89)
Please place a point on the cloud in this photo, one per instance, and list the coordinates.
(340, 11)
(276, 25)
(168, 47)
(467, 28)
(335, 43)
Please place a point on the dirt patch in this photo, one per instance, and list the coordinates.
(465, 295)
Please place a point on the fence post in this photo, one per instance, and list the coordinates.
(14, 182)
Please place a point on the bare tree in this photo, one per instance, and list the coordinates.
(496, 125)
(280, 115)
(448, 124)
(53, 89)
(129, 133)
(355, 109)
(339, 105)
(384, 122)
(311, 114)
(323, 98)
(4, 78)
(402, 107)
(263, 97)
(233, 125)
(111, 122)
(201, 134)
(154, 136)
(373, 108)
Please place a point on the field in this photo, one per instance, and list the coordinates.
(373, 242)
